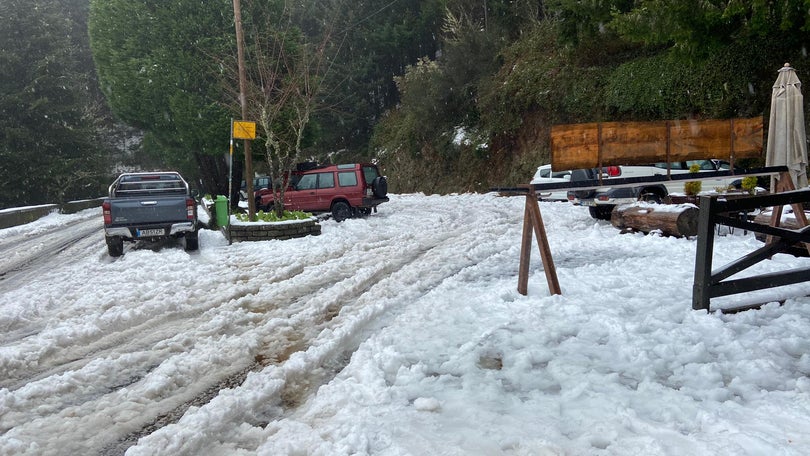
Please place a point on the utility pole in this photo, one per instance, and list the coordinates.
(240, 56)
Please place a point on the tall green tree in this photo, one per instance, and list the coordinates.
(702, 26)
(159, 65)
(50, 144)
(695, 27)
(579, 20)
(439, 118)
(372, 41)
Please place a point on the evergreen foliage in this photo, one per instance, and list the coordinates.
(49, 113)
(372, 41)
(157, 66)
(666, 86)
(700, 26)
(588, 61)
(448, 95)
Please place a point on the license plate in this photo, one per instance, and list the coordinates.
(153, 232)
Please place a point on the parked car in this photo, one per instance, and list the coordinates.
(149, 206)
(344, 190)
(259, 183)
(545, 175)
(601, 201)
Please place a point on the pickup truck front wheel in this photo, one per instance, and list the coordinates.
(115, 245)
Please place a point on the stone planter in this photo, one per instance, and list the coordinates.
(239, 231)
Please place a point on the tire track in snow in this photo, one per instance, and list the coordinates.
(119, 348)
(34, 259)
(320, 314)
(309, 313)
(140, 337)
(299, 388)
(27, 257)
(331, 355)
(27, 240)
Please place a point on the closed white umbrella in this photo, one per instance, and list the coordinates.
(787, 141)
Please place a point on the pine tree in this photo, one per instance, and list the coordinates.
(48, 111)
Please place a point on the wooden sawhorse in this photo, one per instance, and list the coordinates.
(533, 224)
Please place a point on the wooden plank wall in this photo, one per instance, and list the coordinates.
(599, 144)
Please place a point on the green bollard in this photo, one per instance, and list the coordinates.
(221, 209)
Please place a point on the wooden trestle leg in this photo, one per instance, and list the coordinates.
(533, 224)
(785, 184)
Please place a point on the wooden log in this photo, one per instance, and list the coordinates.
(788, 221)
(678, 220)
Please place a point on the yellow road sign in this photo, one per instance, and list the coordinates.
(244, 129)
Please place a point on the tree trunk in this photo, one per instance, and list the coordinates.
(238, 176)
(214, 174)
(672, 220)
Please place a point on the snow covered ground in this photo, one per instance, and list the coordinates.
(398, 334)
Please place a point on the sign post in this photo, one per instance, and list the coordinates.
(246, 130)
(230, 168)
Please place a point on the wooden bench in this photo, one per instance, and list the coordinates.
(714, 210)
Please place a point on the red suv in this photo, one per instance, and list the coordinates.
(343, 190)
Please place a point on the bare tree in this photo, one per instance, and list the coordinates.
(284, 80)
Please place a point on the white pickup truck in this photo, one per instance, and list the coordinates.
(601, 201)
(149, 206)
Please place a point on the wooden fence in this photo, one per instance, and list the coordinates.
(593, 145)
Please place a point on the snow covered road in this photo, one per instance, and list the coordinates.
(396, 334)
(24, 251)
(125, 346)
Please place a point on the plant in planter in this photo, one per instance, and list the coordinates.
(692, 188)
(749, 184)
(726, 189)
(272, 216)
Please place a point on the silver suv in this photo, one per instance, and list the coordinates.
(601, 201)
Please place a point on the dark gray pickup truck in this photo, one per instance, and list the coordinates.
(149, 206)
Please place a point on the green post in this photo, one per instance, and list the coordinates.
(221, 209)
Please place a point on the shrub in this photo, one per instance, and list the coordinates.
(749, 184)
(692, 188)
(271, 216)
